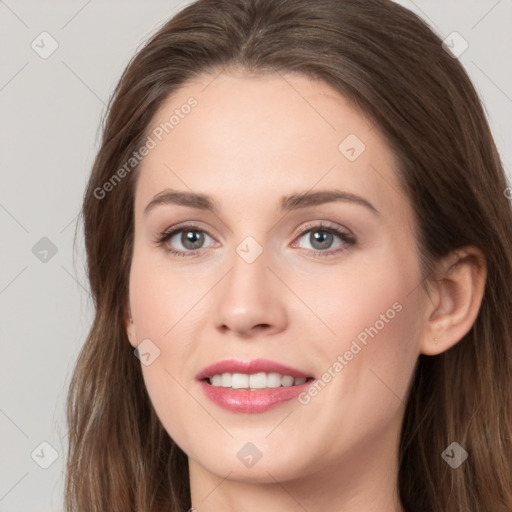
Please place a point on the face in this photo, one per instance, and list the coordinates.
(271, 267)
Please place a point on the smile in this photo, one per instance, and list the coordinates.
(253, 386)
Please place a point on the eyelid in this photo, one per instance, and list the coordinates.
(347, 237)
(165, 235)
(327, 225)
(190, 225)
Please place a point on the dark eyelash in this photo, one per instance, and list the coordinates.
(166, 235)
(348, 239)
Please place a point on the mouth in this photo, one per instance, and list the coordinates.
(252, 386)
(255, 381)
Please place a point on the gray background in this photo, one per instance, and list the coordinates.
(51, 111)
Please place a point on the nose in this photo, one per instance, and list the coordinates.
(250, 299)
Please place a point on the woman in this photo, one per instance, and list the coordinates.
(299, 247)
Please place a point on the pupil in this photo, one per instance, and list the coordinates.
(192, 238)
(322, 237)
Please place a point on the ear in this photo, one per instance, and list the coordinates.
(130, 327)
(455, 298)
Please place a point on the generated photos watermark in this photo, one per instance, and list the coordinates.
(343, 360)
(151, 142)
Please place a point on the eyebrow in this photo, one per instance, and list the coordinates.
(288, 203)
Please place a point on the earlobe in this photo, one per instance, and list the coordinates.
(455, 300)
(130, 329)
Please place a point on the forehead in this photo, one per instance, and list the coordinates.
(251, 138)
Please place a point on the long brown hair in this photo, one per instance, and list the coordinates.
(393, 67)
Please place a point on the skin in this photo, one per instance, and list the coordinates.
(250, 141)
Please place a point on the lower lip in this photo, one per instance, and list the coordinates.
(255, 401)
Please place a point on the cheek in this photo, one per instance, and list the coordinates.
(164, 303)
(370, 360)
(369, 292)
(374, 314)
(160, 302)
(159, 298)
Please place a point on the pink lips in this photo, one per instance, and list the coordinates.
(246, 400)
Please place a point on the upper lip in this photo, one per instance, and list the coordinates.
(248, 367)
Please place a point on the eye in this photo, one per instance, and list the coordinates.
(191, 238)
(321, 238)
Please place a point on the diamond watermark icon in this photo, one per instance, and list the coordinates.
(147, 352)
(454, 455)
(455, 44)
(249, 454)
(44, 250)
(44, 455)
(249, 249)
(44, 45)
(351, 147)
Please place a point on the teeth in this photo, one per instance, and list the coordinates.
(238, 380)
(255, 381)
(258, 380)
(226, 380)
(273, 380)
(287, 380)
